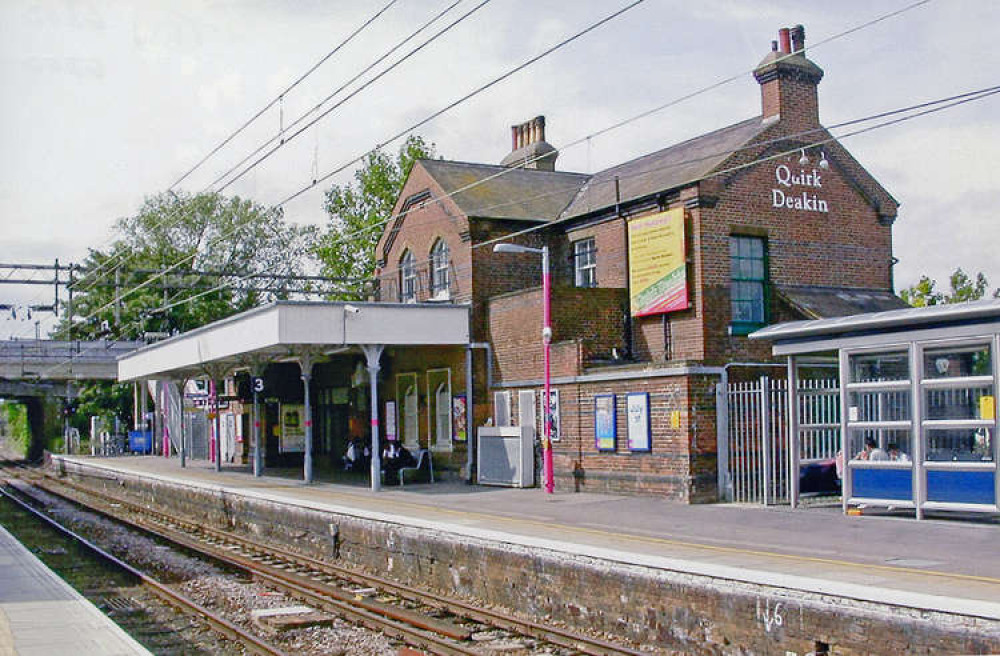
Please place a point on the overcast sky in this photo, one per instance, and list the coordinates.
(107, 102)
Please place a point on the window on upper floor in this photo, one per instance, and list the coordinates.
(440, 261)
(748, 283)
(585, 263)
(407, 278)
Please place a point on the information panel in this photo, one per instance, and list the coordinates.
(657, 269)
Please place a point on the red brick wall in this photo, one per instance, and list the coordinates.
(586, 324)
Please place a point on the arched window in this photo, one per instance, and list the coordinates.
(439, 269)
(407, 278)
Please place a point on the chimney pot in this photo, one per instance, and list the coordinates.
(774, 46)
(798, 34)
(785, 38)
(513, 138)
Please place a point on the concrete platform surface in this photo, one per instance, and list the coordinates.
(40, 614)
(949, 563)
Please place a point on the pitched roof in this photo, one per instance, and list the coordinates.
(514, 194)
(826, 302)
(665, 169)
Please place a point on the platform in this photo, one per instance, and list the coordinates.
(40, 614)
(946, 563)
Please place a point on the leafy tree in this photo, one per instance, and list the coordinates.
(963, 288)
(198, 243)
(358, 211)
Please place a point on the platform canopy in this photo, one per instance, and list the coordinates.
(286, 329)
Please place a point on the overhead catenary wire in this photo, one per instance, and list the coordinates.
(962, 99)
(925, 109)
(671, 103)
(516, 69)
(284, 140)
(277, 99)
(176, 215)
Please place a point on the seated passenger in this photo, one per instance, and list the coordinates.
(394, 458)
(872, 452)
(896, 455)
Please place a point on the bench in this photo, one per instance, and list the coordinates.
(422, 455)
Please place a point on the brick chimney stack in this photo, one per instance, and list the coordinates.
(529, 149)
(788, 81)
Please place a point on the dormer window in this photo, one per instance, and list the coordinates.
(407, 278)
(440, 261)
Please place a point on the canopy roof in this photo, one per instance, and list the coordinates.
(288, 329)
(958, 320)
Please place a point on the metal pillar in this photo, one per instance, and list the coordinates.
(305, 364)
(218, 424)
(469, 432)
(373, 353)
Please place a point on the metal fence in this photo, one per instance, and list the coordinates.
(753, 432)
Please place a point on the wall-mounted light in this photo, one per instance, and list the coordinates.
(804, 160)
(823, 164)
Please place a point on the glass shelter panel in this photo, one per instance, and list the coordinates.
(957, 362)
(879, 406)
(959, 444)
(951, 403)
(879, 367)
(879, 445)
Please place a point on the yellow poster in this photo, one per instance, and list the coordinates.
(987, 408)
(657, 266)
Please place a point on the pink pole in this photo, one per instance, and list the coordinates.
(546, 342)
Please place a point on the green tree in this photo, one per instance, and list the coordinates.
(359, 210)
(963, 288)
(205, 247)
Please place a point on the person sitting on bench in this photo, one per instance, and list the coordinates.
(394, 458)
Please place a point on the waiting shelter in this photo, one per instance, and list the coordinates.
(919, 389)
(306, 333)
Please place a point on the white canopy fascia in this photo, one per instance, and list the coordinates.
(286, 328)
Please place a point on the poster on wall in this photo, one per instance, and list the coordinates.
(293, 429)
(390, 421)
(657, 271)
(556, 433)
(604, 422)
(637, 408)
(459, 431)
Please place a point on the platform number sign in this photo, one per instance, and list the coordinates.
(258, 384)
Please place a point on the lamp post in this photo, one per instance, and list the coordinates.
(546, 342)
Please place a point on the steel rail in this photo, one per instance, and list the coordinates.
(555, 635)
(221, 625)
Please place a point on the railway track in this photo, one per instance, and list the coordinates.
(154, 623)
(426, 620)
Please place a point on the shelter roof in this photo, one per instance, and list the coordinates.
(935, 321)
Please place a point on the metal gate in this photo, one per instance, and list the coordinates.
(753, 435)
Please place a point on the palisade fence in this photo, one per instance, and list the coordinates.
(753, 434)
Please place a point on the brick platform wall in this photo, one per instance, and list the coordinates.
(662, 611)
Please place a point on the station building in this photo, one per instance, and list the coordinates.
(661, 267)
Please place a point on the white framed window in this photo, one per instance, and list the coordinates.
(407, 278)
(440, 261)
(585, 262)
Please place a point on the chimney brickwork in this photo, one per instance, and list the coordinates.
(529, 149)
(788, 81)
